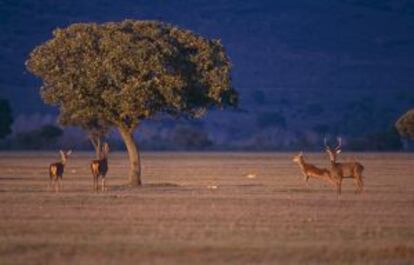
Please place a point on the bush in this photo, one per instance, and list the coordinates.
(382, 141)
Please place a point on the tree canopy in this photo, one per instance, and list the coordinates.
(405, 124)
(128, 71)
(120, 73)
(6, 118)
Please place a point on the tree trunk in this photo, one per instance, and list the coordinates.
(96, 142)
(134, 159)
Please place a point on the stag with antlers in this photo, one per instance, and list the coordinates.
(342, 170)
(99, 168)
(56, 170)
(311, 171)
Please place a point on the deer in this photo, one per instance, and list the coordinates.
(342, 170)
(309, 170)
(57, 169)
(99, 168)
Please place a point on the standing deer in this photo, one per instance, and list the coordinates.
(99, 168)
(56, 170)
(341, 170)
(309, 170)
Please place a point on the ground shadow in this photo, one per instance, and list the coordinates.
(126, 187)
(245, 185)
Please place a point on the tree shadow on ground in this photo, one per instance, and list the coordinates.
(127, 187)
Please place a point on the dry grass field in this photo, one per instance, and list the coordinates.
(201, 208)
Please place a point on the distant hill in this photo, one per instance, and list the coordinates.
(303, 68)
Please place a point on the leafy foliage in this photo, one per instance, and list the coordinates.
(117, 74)
(6, 119)
(405, 124)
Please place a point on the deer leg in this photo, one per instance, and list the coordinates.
(55, 184)
(360, 183)
(332, 182)
(58, 184)
(103, 184)
(327, 177)
(356, 182)
(338, 186)
(49, 186)
(338, 192)
(306, 178)
(61, 184)
(96, 183)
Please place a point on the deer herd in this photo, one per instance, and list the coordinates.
(334, 175)
(99, 168)
(337, 171)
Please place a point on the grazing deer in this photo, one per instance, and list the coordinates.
(309, 170)
(341, 170)
(56, 170)
(99, 168)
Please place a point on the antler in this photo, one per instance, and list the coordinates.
(325, 141)
(339, 140)
(106, 148)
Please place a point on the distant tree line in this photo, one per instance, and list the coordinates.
(187, 135)
(6, 118)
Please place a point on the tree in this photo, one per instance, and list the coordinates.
(95, 128)
(6, 119)
(96, 132)
(122, 73)
(43, 137)
(405, 124)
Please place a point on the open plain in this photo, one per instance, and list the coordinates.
(205, 208)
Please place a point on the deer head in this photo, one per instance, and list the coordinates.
(105, 150)
(64, 155)
(297, 158)
(333, 152)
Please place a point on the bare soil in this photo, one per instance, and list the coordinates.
(206, 208)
